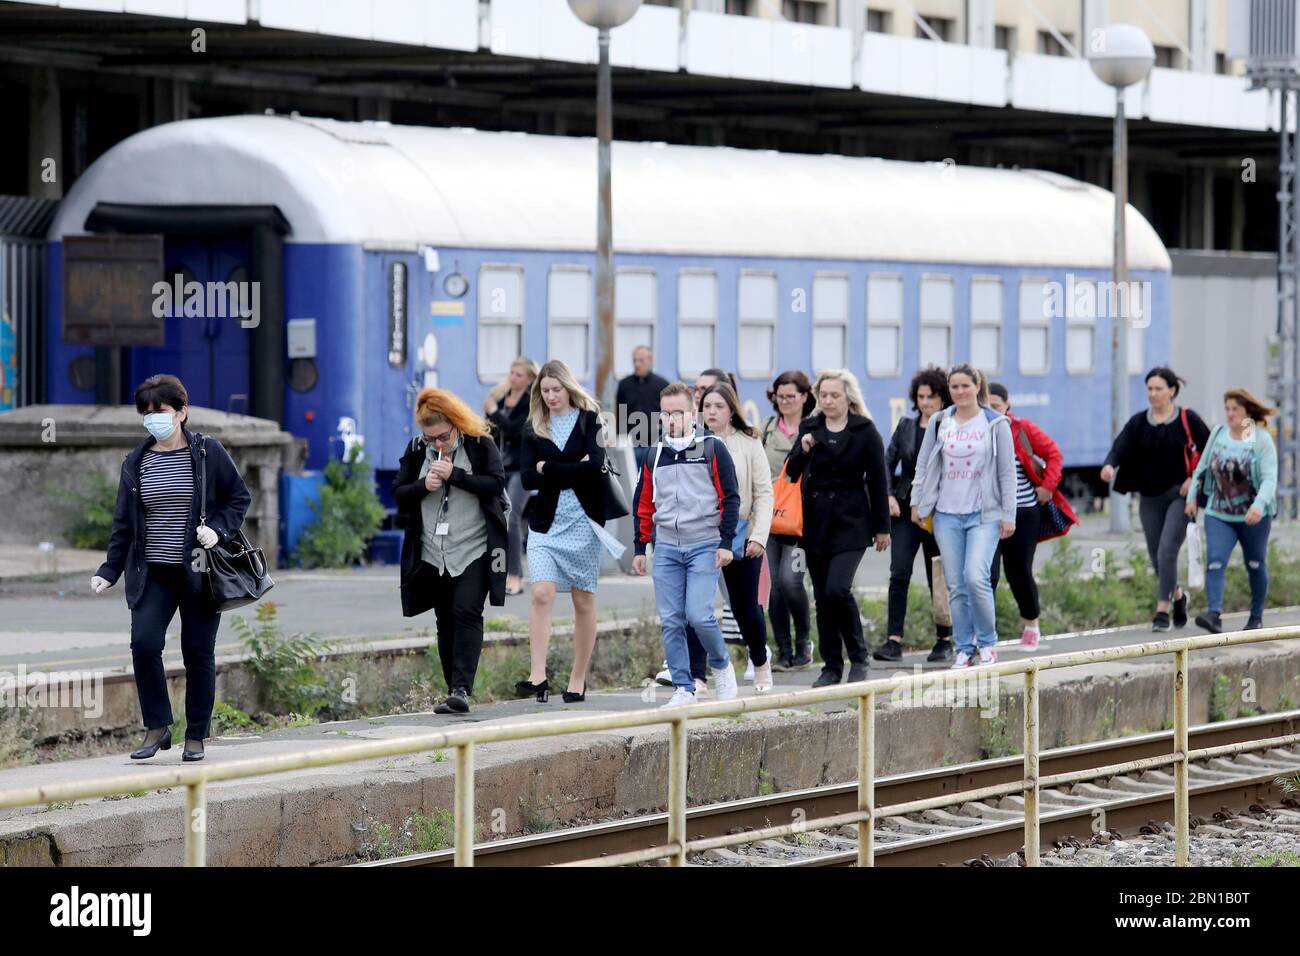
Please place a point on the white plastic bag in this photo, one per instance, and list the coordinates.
(1195, 560)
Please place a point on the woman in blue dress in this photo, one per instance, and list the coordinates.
(561, 459)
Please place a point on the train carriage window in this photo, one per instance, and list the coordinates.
(756, 326)
(884, 325)
(986, 323)
(1081, 328)
(697, 320)
(568, 308)
(830, 302)
(1035, 327)
(936, 320)
(500, 320)
(634, 315)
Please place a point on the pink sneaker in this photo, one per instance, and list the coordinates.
(988, 655)
(1029, 639)
(962, 661)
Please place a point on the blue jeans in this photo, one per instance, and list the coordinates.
(966, 548)
(685, 583)
(1220, 538)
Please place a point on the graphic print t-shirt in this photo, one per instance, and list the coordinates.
(962, 457)
(1232, 490)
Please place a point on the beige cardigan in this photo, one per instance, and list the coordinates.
(754, 479)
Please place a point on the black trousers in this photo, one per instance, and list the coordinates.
(788, 601)
(1018, 553)
(458, 607)
(742, 593)
(838, 625)
(905, 538)
(166, 590)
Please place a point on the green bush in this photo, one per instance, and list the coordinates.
(282, 664)
(347, 515)
(89, 508)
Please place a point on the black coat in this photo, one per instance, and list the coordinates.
(227, 501)
(845, 497)
(900, 456)
(488, 481)
(1150, 457)
(508, 427)
(564, 469)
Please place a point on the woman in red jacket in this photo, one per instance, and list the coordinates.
(1041, 511)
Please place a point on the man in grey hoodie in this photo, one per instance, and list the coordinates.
(966, 478)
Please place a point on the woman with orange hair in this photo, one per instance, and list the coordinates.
(449, 491)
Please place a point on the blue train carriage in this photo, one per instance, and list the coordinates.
(414, 255)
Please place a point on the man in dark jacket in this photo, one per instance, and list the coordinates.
(638, 403)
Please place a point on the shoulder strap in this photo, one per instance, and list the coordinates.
(203, 478)
(767, 428)
(1187, 429)
(1022, 437)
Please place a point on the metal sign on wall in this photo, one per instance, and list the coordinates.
(397, 315)
(108, 292)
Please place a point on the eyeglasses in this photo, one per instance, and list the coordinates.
(786, 398)
(441, 439)
(678, 414)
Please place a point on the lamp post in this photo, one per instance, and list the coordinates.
(1125, 58)
(604, 15)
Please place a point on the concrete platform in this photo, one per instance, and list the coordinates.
(327, 816)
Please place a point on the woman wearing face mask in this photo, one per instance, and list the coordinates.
(156, 539)
(507, 411)
(722, 417)
(966, 478)
(448, 490)
(841, 459)
(929, 394)
(1155, 455)
(1237, 475)
(561, 458)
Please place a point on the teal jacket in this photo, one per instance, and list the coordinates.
(1263, 470)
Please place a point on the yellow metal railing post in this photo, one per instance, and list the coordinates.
(677, 791)
(1182, 850)
(196, 824)
(1031, 767)
(464, 811)
(867, 777)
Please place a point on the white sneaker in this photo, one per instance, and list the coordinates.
(748, 678)
(963, 660)
(724, 682)
(681, 696)
(701, 689)
(988, 655)
(665, 676)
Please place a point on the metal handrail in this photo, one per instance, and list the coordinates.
(464, 739)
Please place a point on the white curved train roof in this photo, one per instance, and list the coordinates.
(382, 185)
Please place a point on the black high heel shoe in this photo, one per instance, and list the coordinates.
(572, 698)
(541, 691)
(162, 743)
(190, 756)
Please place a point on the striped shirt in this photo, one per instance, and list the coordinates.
(167, 490)
(1024, 489)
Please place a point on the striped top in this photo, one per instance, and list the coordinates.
(1024, 489)
(167, 490)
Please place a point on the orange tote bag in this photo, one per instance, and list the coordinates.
(787, 506)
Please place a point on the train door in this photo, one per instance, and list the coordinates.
(208, 351)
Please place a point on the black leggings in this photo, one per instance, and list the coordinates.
(788, 601)
(1018, 550)
(741, 576)
(458, 609)
(905, 538)
(838, 623)
(166, 589)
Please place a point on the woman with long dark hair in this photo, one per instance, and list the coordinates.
(449, 492)
(561, 458)
(793, 401)
(1155, 455)
(928, 392)
(507, 411)
(966, 479)
(155, 540)
(1237, 476)
(841, 460)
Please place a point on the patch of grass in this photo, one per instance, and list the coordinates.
(89, 511)
(231, 720)
(540, 817)
(995, 741)
(1286, 858)
(418, 833)
(765, 787)
(17, 737)
(1220, 698)
(282, 664)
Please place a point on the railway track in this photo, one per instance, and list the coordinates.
(957, 833)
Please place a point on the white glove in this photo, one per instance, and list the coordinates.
(98, 584)
(207, 537)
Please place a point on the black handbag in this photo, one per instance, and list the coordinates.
(235, 571)
(615, 500)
